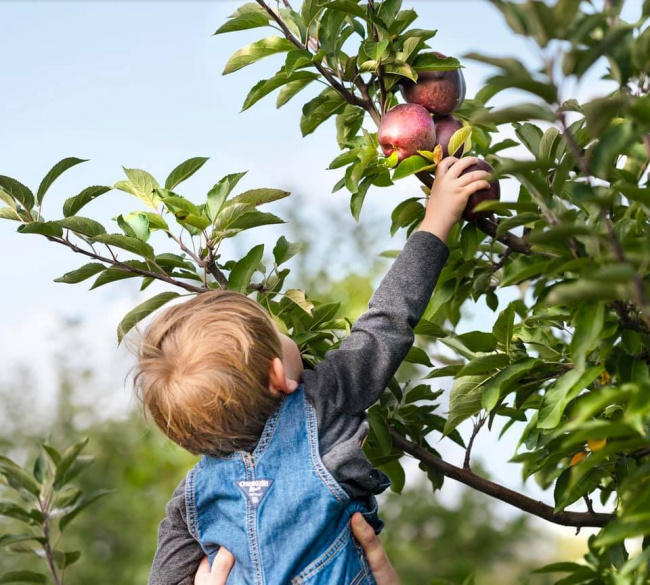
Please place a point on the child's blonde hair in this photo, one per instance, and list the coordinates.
(202, 372)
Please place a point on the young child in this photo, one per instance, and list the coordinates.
(283, 469)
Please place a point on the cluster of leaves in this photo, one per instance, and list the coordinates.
(45, 501)
(364, 52)
(569, 358)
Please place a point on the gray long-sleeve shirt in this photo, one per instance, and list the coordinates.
(341, 387)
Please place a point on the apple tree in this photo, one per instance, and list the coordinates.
(566, 364)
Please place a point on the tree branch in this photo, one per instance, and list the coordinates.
(499, 492)
(126, 267)
(347, 95)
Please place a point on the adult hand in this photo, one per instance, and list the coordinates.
(380, 566)
(223, 562)
(378, 560)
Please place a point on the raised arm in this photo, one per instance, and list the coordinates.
(352, 377)
(178, 554)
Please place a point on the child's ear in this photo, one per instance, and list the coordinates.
(278, 381)
(277, 377)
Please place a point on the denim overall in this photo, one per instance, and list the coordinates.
(278, 510)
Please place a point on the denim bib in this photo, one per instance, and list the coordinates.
(278, 510)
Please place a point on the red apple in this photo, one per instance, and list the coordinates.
(406, 129)
(440, 92)
(493, 193)
(445, 128)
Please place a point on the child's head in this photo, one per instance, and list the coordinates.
(211, 371)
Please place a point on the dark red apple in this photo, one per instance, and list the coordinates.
(406, 129)
(493, 193)
(445, 128)
(440, 92)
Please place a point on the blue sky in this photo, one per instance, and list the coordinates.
(139, 84)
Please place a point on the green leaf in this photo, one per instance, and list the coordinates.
(256, 51)
(184, 171)
(244, 21)
(523, 268)
(462, 137)
(612, 144)
(82, 225)
(504, 326)
(240, 275)
(411, 165)
(464, 400)
(18, 477)
(65, 559)
(561, 392)
(284, 250)
(9, 213)
(81, 274)
(298, 297)
(395, 471)
(349, 7)
(44, 228)
(296, 59)
(291, 89)
(17, 191)
(80, 506)
(68, 457)
(135, 225)
(9, 539)
(13, 511)
(113, 273)
(469, 241)
(518, 113)
(478, 341)
(589, 320)
(380, 430)
(72, 205)
(416, 355)
(134, 316)
(23, 577)
(319, 109)
(505, 381)
(55, 172)
(253, 219)
(484, 365)
(266, 86)
(219, 193)
(257, 197)
(126, 243)
(141, 185)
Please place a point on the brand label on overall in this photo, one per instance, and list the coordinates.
(255, 489)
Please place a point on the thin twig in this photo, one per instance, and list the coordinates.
(468, 452)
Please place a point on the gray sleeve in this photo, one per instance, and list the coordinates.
(178, 554)
(351, 378)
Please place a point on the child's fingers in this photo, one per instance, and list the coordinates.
(444, 164)
(458, 167)
(474, 187)
(471, 177)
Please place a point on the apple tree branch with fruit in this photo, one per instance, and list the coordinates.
(568, 359)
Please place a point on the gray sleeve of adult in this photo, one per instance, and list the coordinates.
(351, 378)
(178, 554)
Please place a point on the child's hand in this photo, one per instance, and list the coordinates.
(449, 194)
